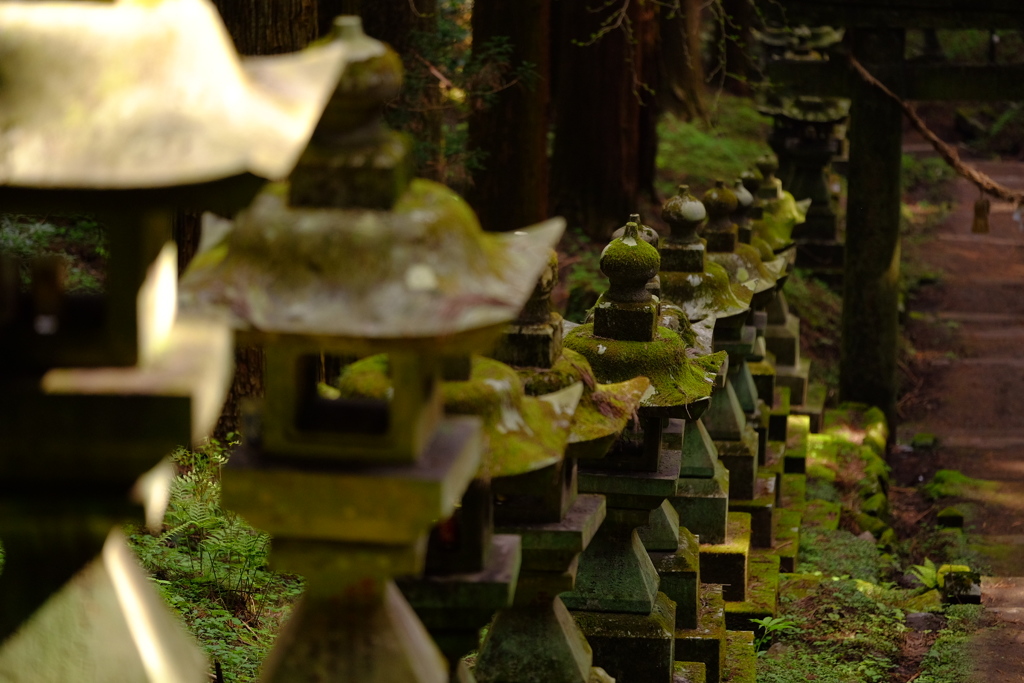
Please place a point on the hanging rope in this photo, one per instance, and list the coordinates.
(945, 150)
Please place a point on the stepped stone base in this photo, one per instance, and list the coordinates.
(796, 378)
(793, 491)
(762, 598)
(741, 660)
(787, 538)
(798, 429)
(726, 563)
(813, 405)
(761, 510)
(680, 577)
(706, 643)
(633, 647)
(741, 459)
(779, 415)
(703, 504)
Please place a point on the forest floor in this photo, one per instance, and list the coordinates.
(965, 408)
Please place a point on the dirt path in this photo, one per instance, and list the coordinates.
(970, 327)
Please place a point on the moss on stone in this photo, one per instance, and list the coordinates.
(702, 294)
(676, 380)
(630, 256)
(524, 433)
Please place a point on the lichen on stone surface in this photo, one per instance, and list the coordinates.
(676, 380)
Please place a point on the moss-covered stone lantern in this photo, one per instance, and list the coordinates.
(616, 599)
(351, 487)
(127, 111)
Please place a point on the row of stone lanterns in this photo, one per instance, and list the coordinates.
(584, 485)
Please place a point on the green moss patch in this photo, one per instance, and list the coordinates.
(676, 379)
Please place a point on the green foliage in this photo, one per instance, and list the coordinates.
(839, 553)
(849, 632)
(769, 628)
(928, 177)
(927, 574)
(950, 483)
(447, 78)
(582, 282)
(79, 240)
(691, 152)
(210, 567)
(949, 659)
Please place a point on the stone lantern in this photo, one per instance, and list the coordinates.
(804, 138)
(351, 259)
(98, 389)
(616, 599)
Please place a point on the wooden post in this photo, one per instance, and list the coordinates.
(870, 329)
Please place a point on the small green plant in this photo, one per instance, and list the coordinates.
(769, 627)
(927, 574)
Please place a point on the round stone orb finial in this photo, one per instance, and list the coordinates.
(720, 201)
(684, 213)
(629, 262)
(647, 233)
(751, 180)
(743, 196)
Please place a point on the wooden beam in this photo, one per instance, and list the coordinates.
(915, 82)
(952, 14)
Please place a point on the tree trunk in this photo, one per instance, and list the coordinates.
(682, 71)
(733, 43)
(596, 176)
(269, 27)
(511, 190)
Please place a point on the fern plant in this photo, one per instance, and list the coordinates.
(211, 568)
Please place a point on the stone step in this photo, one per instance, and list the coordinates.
(740, 657)
(787, 538)
(798, 429)
(706, 643)
(813, 405)
(726, 563)
(822, 514)
(793, 491)
(760, 509)
(689, 672)
(762, 594)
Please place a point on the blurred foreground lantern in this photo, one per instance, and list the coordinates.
(126, 110)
